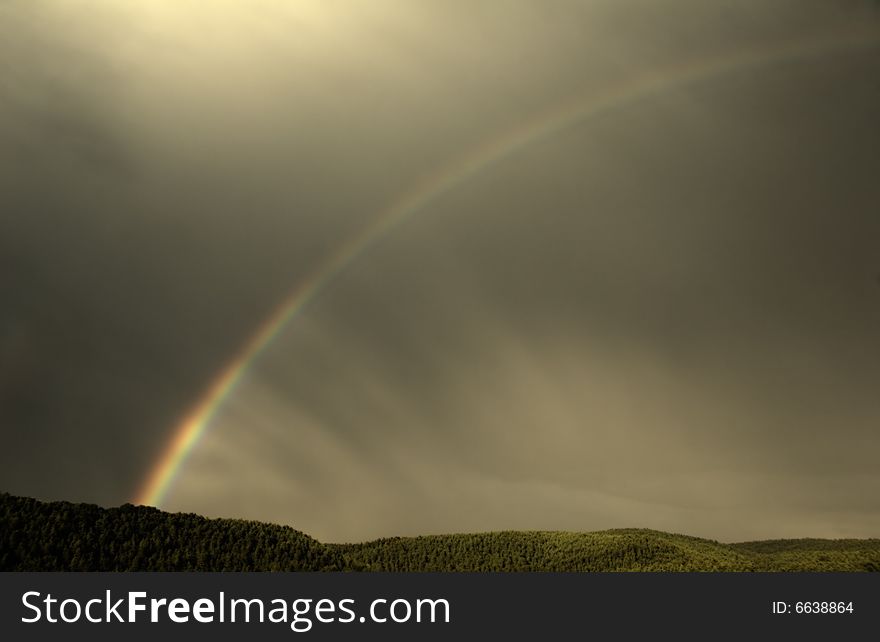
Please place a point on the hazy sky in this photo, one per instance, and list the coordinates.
(664, 314)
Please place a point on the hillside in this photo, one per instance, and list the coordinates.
(619, 550)
(614, 550)
(58, 536)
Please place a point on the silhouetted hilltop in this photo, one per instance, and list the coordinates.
(60, 536)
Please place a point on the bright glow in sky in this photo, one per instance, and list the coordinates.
(375, 268)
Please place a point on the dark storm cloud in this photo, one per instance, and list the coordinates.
(663, 316)
(55, 143)
(127, 274)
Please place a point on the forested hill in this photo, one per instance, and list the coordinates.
(615, 550)
(60, 536)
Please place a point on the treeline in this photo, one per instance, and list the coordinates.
(623, 550)
(813, 554)
(59, 536)
(616, 550)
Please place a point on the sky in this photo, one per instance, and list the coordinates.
(571, 265)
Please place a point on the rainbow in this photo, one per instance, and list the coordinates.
(187, 434)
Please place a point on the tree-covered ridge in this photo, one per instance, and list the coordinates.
(619, 550)
(813, 554)
(615, 550)
(60, 536)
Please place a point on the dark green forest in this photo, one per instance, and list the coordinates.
(60, 536)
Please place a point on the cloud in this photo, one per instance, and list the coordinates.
(662, 316)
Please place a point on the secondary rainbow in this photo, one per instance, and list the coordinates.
(476, 160)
